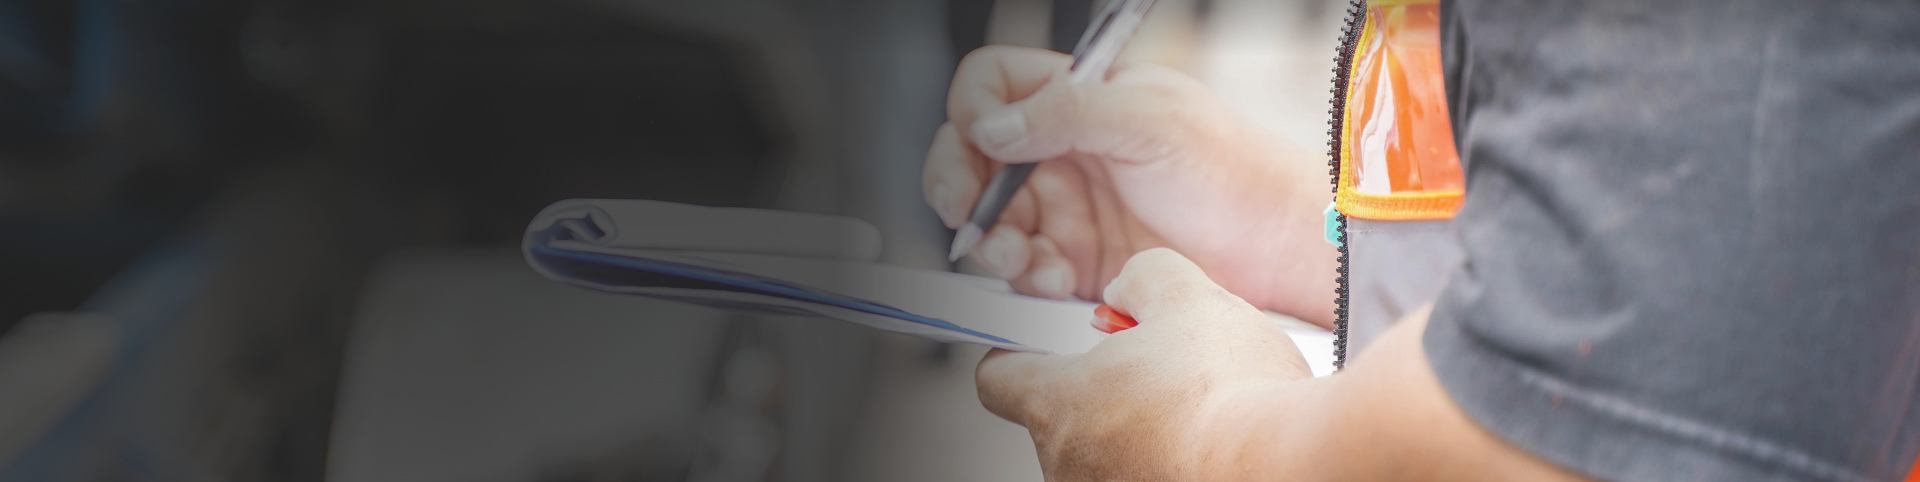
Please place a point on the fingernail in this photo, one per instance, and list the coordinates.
(1051, 280)
(1001, 130)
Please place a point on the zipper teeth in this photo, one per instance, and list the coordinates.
(1343, 59)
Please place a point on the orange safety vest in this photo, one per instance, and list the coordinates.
(1397, 159)
(1398, 180)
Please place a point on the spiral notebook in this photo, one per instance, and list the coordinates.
(804, 264)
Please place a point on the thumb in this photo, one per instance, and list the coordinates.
(1144, 114)
(1160, 286)
(1011, 384)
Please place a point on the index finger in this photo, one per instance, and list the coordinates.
(996, 75)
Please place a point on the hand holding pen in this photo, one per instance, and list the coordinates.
(1147, 158)
(1105, 38)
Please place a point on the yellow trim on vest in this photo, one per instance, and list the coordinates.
(1385, 207)
(1399, 207)
(1392, 3)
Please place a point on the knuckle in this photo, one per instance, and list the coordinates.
(980, 56)
(937, 154)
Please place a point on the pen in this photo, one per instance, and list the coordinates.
(1102, 43)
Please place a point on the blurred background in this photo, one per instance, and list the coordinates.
(277, 239)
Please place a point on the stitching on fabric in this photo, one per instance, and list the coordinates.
(1689, 429)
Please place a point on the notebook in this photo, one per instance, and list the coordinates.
(792, 263)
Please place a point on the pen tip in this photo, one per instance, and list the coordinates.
(963, 241)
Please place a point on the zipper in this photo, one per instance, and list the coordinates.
(1342, 70)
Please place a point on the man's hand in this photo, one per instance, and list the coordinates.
(1207, 388)
(1148, 158)
(1138, 406)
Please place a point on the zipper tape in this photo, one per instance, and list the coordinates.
(1342, 71)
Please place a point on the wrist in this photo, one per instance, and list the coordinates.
(1265, 431)
(1287, 246)
(1258, 199)
(1227, 436)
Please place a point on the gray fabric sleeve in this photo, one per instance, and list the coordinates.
(1691, 236)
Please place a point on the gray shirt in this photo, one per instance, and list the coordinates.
(1691, 235)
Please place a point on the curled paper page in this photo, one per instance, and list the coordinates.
(638, 224)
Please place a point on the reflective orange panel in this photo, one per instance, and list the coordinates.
(1400, 108)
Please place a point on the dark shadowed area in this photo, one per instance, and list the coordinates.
(279, 239)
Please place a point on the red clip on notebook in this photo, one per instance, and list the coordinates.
(1110, 320)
